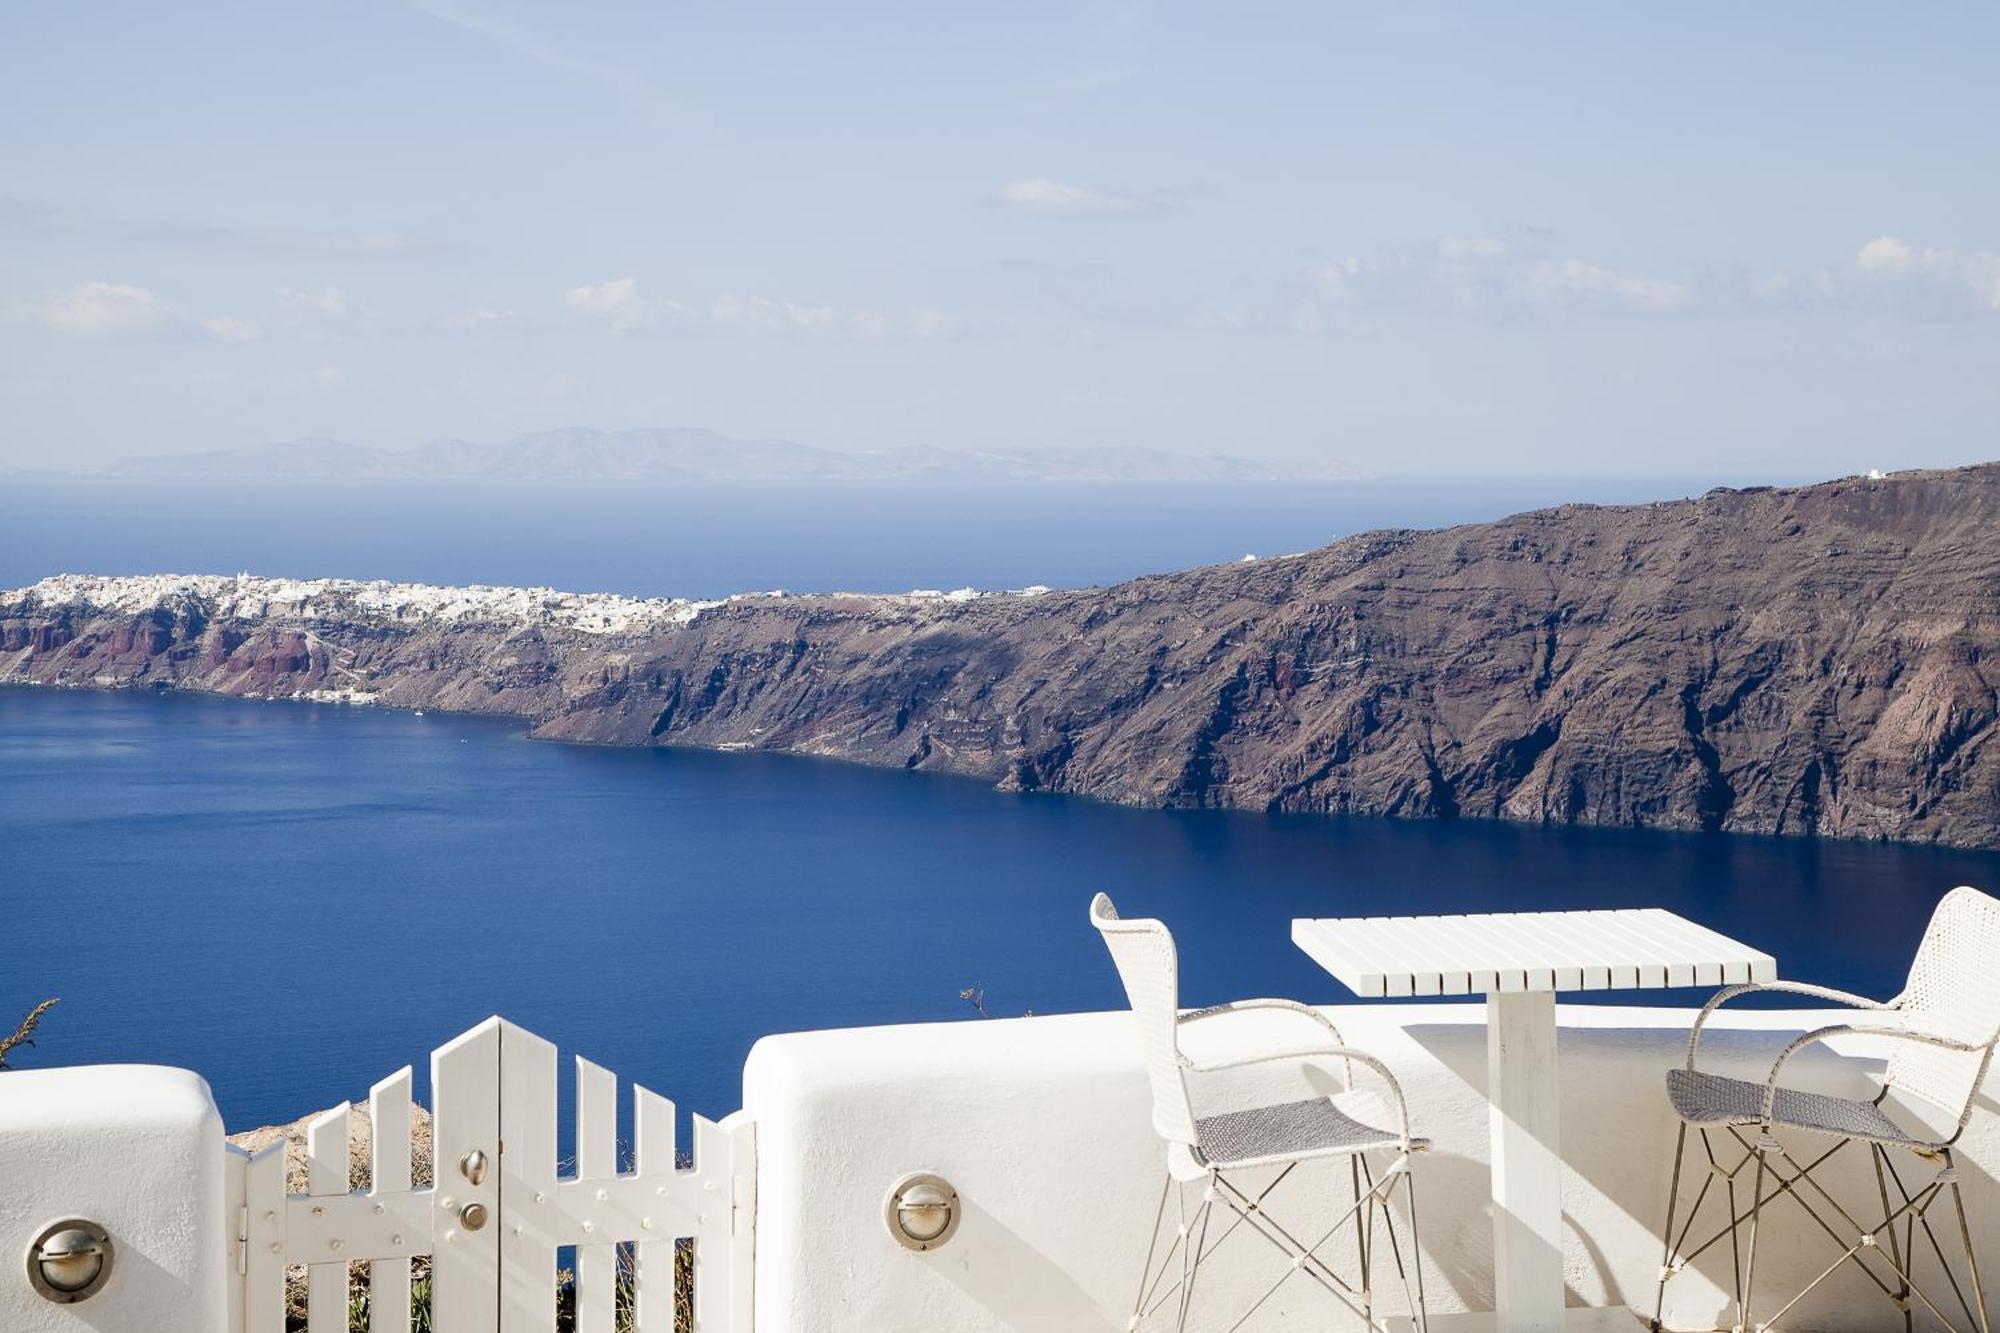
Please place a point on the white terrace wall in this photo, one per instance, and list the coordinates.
(139, 1150)
(1042, 1124)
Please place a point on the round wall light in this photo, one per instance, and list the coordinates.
(922, 1211)
(70, 1260)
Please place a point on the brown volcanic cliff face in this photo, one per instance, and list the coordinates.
(1820, 660)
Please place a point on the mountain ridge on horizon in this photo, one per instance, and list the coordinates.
(684, 453)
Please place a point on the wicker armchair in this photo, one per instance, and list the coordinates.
(1265, 1140)
(1944, 1025)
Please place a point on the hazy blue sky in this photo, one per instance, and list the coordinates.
(1744, 239)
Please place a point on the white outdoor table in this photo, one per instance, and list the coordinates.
(1519, 960)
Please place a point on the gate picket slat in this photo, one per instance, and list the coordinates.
(327, 1174)
(465, 1265)
(653, 1260)
(711, 1239)
(596, 1158)
(741, 1277)
(389, 1173)
(527, 1182)
(264, 1248)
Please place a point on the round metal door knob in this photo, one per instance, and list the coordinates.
(472, 1216)
(70, 1260)
(473, 1166)
(922, 1211)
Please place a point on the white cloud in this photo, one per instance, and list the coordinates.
(230, 329)
(477, 318)
(1483, 275)
(871, 324)
(1040, 194)
(1890, 275)
(1343, 279)
(308, 305)
(1460, 248)
(620, 305)
(927, 323)
(766, 315)
(611, 297)
(1885, 254)
(1581, 283)
(127, 310)
(761, 314)
(1934, 276)
(109, 310)
(1517, 275)
(1494, 274)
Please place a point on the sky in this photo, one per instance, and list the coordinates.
(1755, 241)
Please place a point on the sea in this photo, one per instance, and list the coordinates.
(297, 899)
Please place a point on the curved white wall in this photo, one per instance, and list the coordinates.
(137, 1149)
(1043, 1126)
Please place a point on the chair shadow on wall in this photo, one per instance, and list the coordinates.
(1646, 1128)
(1021, 1286)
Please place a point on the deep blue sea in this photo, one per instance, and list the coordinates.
(297, 899)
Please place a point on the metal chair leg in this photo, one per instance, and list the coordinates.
(1152, 1248)
(1200, 1243)
(1744, 1299)
(1667, 1232)
(1366, 1222)
(1735, 1244)
(1363, 1228)
(1902, 1295)
(1416, 1250)
(1414, 1299)
(1971, 1255)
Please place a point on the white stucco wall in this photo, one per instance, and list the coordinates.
(1043, 1126)
(137, 1149)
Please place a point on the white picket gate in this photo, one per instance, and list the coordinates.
(497, 1211)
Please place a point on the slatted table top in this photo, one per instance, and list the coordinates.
(1503, 952)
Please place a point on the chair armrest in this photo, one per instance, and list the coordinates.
(1728, 993)
(1347, 1054)
(1900, 1031)
(1246, 1006)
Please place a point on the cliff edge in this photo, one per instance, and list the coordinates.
(1818, 660)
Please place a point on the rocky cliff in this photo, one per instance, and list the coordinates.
(1820, 661)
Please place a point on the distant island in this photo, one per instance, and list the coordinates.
(1818, 660)
(692, 455)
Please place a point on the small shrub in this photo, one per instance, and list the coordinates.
(24, 1035)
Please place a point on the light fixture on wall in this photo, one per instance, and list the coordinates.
(70, 1260)
(922, 1211)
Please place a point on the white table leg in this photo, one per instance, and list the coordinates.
(1527, 1161)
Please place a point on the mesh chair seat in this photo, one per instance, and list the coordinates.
(1289, 1131)
(1712, 1101)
